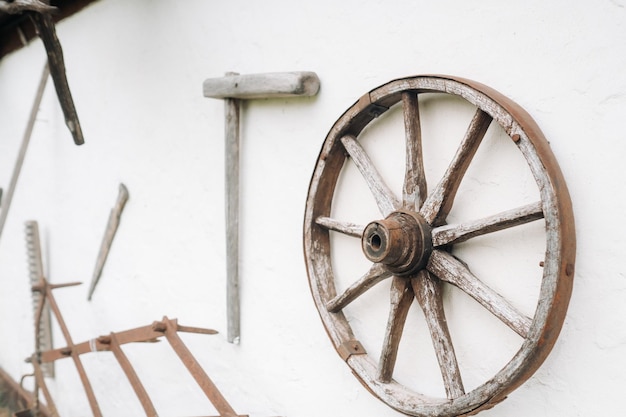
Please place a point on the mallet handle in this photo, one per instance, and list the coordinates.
(268, 85)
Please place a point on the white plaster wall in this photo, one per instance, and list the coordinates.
(136, 70)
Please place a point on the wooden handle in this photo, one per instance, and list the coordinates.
(268, 85)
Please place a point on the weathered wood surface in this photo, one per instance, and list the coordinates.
(415, 188)
(231, 174)
(387, 202)
(268, 85)
(538, 334)
(452, 234)
(429, 294)
(107, 240)
(449, 269)
(347, 228)
(233, 88)
(30, 125)
(20, 6)
(439, 202)
(376, 274)
(56, 62)
(401, 298)
(430, 297)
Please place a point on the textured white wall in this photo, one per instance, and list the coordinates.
(136, 71)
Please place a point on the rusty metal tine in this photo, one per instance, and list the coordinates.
(199, 330)
(8, 195)
(93, 403)
(41, 285)
(64, 285)
(47, 33)
(128, 369)
(41, 383)
(201, 377)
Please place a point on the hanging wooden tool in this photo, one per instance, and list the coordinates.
(39, 12)
(411, 246)
(8, 196)
(233, 88)
(109, 234)
(47, 33)
(20, 6)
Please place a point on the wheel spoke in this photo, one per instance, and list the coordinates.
(376, 274)
(438, 204)
(448, 268)
(383, 195)
(401, 299)
(451, 234)
(346, 228)
(428, 292)
(414, 190)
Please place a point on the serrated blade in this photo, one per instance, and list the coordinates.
(43, 329)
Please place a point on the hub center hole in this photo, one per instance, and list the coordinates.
(375, 242)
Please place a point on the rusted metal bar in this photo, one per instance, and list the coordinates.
(40, 383)
(199, 330)
(102, 343)
(165, 328)
(132, 377)
(208, 387)
(91, 397)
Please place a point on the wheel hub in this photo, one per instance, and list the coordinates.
(402, 242)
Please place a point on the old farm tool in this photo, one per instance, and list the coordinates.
(109, 234)
(20, 6)
(8, 196)
(411, 246)
(39, 12)
(233, 88)
(14, 397)
(167, 328)
(43, 338)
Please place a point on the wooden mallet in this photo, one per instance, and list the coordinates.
(233, 88)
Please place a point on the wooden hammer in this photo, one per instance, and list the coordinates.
(233, 88)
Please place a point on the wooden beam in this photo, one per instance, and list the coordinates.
(12, 25)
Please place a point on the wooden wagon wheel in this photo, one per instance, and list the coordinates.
(411, 245)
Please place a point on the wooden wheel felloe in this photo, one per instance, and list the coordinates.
(411, 246)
